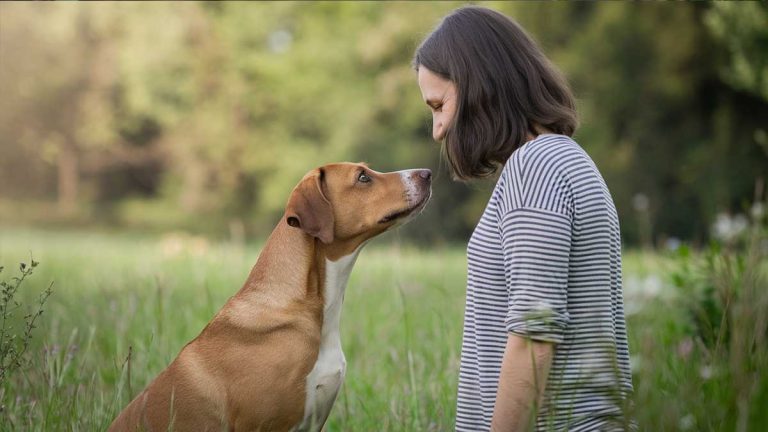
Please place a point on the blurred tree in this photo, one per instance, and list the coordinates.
(205, 115)
(743, 30)
(67, 119)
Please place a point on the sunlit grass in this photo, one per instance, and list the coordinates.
(401, 326)
(116, 294)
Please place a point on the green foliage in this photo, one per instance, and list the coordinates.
(204, 116)
(14, 341)
(725, 331)
(743, 28)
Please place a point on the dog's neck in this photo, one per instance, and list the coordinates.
(296, 266)
(336, 278)
(290, 266)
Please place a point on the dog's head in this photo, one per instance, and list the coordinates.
(347, 203)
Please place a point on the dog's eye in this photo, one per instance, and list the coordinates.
(363, 178)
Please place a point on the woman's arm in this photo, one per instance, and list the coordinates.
(523, 378)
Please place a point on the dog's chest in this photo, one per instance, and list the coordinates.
(324, 383)
(325, 379)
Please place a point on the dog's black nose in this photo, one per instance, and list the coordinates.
(425, 174)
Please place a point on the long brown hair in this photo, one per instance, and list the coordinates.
(505, 87)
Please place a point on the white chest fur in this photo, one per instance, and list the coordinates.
(325, 379)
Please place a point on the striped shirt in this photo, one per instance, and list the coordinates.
(544, 262)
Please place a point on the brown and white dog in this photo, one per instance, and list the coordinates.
(271, 359)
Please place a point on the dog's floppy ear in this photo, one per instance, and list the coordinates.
(309, 209)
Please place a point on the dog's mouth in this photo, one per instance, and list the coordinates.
(403, 213)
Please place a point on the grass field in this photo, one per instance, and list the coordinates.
(116, 294)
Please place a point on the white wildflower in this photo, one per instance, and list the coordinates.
(640, 202)
(687, 422)
(727, 228)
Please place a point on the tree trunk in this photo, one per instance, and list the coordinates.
(69, 180)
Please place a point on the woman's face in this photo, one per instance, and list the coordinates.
(440, 95)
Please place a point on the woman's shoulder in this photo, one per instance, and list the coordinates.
(544, 154)
(540, 169)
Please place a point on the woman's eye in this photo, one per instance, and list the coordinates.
(436, 107)
(363, 178)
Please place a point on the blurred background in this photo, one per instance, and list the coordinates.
(147, 149)
(201, 117)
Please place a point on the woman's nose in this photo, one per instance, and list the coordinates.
(437, 130)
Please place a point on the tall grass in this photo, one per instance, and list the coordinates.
(702, 353)
(125, 305)
(122, 297)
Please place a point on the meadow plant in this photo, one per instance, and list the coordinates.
(15, 333)
(14, 342)
(725, 299)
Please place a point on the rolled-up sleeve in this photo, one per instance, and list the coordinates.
(537, 246)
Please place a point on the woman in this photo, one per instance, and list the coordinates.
(544, 333)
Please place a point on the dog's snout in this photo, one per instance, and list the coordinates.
(420, 175)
